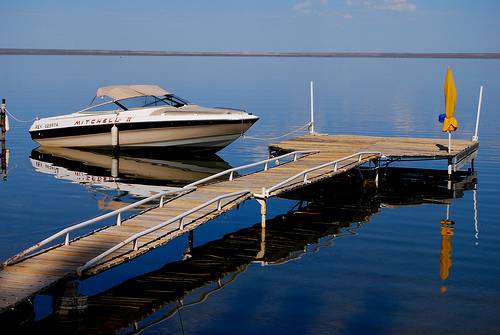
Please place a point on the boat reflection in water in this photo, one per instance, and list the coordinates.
(117, 178)
(322, 214)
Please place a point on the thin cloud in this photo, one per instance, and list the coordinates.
(302, 7)
(310, 6)
(398, 6)
(390, 5)
(319, 8)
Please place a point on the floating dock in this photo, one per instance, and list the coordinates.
(322, 217)
(294, 164)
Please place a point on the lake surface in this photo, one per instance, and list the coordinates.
(348, 262)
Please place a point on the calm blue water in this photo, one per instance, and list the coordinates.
(383, 280)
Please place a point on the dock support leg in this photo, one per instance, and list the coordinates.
(262, 251)
(3, 120)
(263, 211)
(189, 249)
(450, 171)
(450, 167)
(3, 129)
(67, 300)
(377, 166)
(472, 165)
(3, 156)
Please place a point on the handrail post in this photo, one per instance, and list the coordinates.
(119, 219)
(66, 239)
(161, 202)
(231, 176)
(335, 167)
(305, 178)
(359, 158)
(295, 157)
(181, 224)
(136, 244)
(266, 166)
(219, 205)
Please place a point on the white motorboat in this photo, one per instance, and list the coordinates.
(143, 116)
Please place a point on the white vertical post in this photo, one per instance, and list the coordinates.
(311, 125)
(475, 138)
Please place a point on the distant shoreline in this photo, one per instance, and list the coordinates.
(90, 52)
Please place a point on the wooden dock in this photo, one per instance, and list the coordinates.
(27, 273)
(149, 298)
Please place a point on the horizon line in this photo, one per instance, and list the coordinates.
(312, 54)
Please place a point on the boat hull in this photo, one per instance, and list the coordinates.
(212, 136)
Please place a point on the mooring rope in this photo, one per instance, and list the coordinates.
(18, 120)
(277, 137)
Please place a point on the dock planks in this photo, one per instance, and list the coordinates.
(27, 277)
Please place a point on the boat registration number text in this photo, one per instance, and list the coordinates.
(46, 125)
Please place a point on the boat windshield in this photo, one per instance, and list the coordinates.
(139, 102)
(151, 101)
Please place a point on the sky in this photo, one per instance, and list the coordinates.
(256, 25)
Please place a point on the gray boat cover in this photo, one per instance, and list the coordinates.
(120, 92)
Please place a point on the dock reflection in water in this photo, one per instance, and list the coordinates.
(321, 215)
(115, 178)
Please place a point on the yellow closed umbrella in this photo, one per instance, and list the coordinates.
(450, 123)
(450, 99)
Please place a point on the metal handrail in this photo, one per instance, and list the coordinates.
(242, 167)
(334, 164)
(19, 256)
(135, 238)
